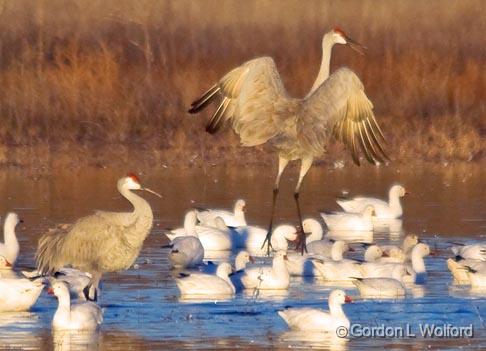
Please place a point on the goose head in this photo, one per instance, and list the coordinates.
(12, 220)
(312, 226)
(410, 241)
(397, 191)
(4, 263)
(240, 206)
(242, 259)
(372, 253)
(224, 270)
(59, 289)
(338, 297)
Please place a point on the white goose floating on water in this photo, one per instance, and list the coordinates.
(356, 222)
(384, 210)
(212, 238)
(275, 277)
(473, 252)
(417, 270)
(316, 320)
(281, 236)
(231, 219)
(459, 269)
(186, 251)
(201, 284)
(382, 287)
(302, 266)
(19, 294)
(10, 248)
(85, 316)
(400, 254)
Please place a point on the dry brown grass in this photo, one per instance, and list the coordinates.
(94, 81)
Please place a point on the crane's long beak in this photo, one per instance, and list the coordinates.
(152, 192)
(356, 46)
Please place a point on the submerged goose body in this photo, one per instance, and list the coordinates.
(83, 316)
(231, 219)
(275, 277)
(316, 320)
(384, 210)
(207, 284)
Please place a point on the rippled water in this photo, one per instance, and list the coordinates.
(142, 307)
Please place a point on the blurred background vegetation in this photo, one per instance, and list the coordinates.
(95, 82)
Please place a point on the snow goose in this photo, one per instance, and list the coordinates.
(416, 268)
(344, 270)
(10, 248)
(231, 219)
(19, 294)
(275, 277)
(241, 260)
(473, 252)
(78, 282)
(384, 210)
(343, 221)
(477, 278)
(280, 239)
(458, 269)
(401, 254)
(382, 287)
(211, 238)
(312, 319)
(186, 251)
(78, 316)
(301, 265)
(201, 284)
(315, 244)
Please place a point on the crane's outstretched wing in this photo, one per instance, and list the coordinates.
(340, 106)
(252, 98)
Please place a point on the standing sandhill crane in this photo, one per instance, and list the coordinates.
(253, 100)
(102, 242)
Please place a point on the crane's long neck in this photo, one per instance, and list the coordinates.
(142, 219)
(327, 44)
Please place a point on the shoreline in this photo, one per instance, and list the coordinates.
(42, 160)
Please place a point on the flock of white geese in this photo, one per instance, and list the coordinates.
(383, 272)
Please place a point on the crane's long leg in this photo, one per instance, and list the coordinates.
(93, 290)
(304, 168)
(282, 163)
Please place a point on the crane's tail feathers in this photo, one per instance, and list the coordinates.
(49, 249)
(217, 120)
(204, 100)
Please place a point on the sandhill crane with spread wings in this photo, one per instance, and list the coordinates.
(253, 100)
(102, 242)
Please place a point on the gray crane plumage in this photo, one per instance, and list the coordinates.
(102, 242)
(253, 100)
